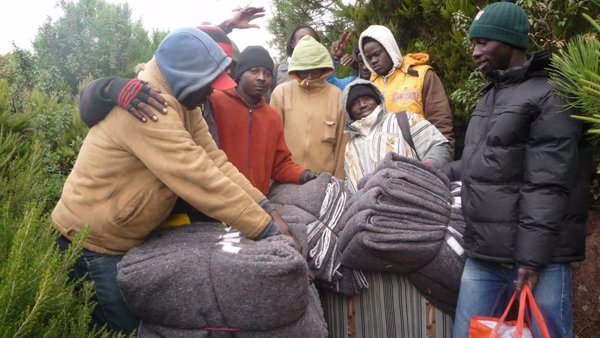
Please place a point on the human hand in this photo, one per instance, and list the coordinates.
(308, 175)
(284, 228)
(347, 59)
(137, 97)
(526, 275)
(339, 46)
(242, 18)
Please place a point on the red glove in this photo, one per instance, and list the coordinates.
(129, 91)
(137, 97)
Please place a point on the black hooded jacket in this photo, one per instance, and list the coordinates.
(525, 170)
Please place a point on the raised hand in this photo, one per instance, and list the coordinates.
(339, 46)
(347, 59)
(242, 18)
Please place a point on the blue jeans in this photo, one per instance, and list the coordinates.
(101, 270)
(486, 288)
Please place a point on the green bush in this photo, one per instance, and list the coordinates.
(574, 74)
(36, 297)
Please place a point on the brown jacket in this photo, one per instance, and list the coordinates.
(313, 124)
(129, 174)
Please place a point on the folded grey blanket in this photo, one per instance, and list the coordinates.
(311, 324)
(308, 196)
(418, 173)
(439, 280)
(387, 237)
(397, 219)
(297, 219)
(202, 276)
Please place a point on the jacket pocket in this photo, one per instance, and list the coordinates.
(329, 128)
(131, 209)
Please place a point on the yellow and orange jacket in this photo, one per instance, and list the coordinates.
(411, 85)
(414, 87)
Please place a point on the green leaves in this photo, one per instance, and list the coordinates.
(574, 74)
(36, 297)
(93, 38)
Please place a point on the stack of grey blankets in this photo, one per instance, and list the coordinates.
(203, 280)
(319, 205)
(405, 218)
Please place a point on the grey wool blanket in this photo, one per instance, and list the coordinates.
(320, 204)
(439, 280)
(311, 324)
(308, 197)
(397, 219)
(204, 276)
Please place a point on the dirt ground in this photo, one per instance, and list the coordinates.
(586, 282)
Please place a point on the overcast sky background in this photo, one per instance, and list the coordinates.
(20, 19)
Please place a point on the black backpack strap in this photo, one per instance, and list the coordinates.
(402, 119)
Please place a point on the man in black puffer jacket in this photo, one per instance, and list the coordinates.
(525, 172)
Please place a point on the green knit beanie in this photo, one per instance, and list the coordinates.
(502, 21)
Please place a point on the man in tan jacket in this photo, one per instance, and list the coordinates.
(128, 174)
(311, 110)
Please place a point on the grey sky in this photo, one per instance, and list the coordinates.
(19, 20)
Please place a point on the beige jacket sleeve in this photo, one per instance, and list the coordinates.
(193, 168)
(436, 106)
(277, 101)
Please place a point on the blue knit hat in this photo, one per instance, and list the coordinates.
(502, 21)
(189, 60)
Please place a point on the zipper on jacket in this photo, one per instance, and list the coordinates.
(250, 108)
(309, 124)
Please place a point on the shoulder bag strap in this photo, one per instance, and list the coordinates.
(402, 119)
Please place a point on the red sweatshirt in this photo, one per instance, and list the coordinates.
(252, 138)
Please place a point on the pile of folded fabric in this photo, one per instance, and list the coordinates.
(203, 280)
(397, 219)
(439, 280)
(319, 204)
(406, 218)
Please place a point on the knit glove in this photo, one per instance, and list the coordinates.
(308, 175)
(123, 91)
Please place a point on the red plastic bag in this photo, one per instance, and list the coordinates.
(493, 327)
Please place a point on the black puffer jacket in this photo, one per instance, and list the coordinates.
(525, 171)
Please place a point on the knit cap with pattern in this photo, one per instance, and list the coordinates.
(502, 21)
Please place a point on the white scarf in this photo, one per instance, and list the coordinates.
(364, 125)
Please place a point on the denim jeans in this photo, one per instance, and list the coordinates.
(486, 288)
(101, 270)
